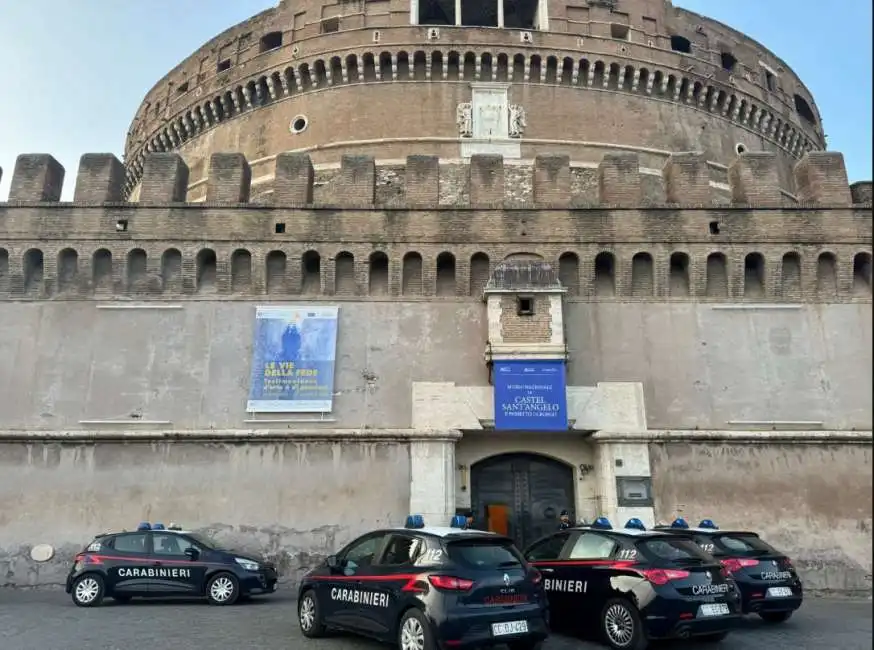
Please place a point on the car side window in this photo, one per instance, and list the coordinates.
(134, 543)
(361, 552)
(402, 549)
(165, 544)
(591, 546)
(548, 549)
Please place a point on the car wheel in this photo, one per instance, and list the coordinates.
(88, 590)
(712, 638)
(309, 616)
(414, 633)
(222, 589)
(775, 617)
(621, 626)
(121, 600)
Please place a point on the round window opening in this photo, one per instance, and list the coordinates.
(299, 124)
(740, 148)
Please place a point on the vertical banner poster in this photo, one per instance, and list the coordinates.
(530, 395)
(293, 357)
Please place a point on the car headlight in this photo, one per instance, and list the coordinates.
(247, 564)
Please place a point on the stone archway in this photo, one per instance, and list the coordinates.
(521, 495)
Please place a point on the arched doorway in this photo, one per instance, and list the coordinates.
(521, 495)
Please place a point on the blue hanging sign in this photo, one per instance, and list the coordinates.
(530, 395)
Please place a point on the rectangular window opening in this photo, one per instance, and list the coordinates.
(223, 65)
(330, 25)
(619, 31)
(121, 225)
(521, 14)
(436, 12)
(280, 228)
(479, 14)
(182, 88)
(525, 306)
(271, 41)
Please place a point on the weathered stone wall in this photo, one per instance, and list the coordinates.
(813, 501)
(295, 502)
(321, 61)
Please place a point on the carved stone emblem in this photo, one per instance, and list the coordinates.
(517, 121)
(464, 120)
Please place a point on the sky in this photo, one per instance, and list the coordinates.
(75, 71)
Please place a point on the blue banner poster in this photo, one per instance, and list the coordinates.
(293, 359)
(530, 396)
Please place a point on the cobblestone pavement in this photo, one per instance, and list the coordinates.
(48, 620)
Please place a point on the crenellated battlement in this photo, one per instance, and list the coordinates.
(685, 179)
(744, 241)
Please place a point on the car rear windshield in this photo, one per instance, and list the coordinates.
(744, 544)
(672, 551)
(484, 554)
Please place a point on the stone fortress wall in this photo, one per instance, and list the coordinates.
(591, 78)
(750, 243)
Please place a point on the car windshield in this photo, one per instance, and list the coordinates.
(484, 554)
(745, 544)
(672, 551)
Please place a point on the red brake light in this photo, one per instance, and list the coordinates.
(664, 576)
(450, 584)
(733, 564)
(536, 576)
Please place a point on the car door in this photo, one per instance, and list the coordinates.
(382, 583)
(176, 574)
(344, 595)
(590, 560)
(545, 555)
(127, 556)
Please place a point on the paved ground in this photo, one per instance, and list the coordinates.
(48, 620)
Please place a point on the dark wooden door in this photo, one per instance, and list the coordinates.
(529, 492)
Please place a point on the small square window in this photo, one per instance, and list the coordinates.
(280, 228)
(619, 31)
(525, 306)
(330, 25)
(634, 491)
(714, 227)
(223, 65)
(121, 225)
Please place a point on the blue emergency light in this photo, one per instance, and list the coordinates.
(144, 526)
(157, 526)
(679, 522)
(458, 521)
(635, 524)
(415, 521)
(708, 523)
(602, 523)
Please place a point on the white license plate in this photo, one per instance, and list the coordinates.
(713, 609)
(511, 627)
(779, 592)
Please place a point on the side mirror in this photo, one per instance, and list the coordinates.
(332, 562)
(192, 553)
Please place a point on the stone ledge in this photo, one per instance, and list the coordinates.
(753, 437)
(234, 435)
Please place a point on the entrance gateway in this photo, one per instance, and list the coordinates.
(521, 495)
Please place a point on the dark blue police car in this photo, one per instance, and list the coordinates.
(424, 588)
(157, 562)
(633, 585)
(766, 579)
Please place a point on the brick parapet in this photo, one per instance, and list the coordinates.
(819, 251)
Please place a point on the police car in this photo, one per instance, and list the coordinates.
(154, 561)
(633, 585)
(427, 587)
(766, 579)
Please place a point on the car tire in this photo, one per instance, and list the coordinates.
(775, 617)
(88, 590)
(621, 626)
(309, 615)
(121, 600)
(414, 632)
(222, 589)
(712, 638)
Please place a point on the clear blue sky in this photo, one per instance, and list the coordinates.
(74, 71)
